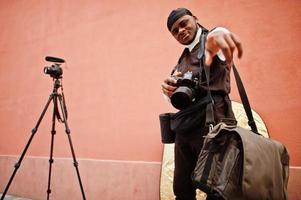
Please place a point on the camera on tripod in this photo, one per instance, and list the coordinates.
(186, 92)
(58, 100)
(55, 70)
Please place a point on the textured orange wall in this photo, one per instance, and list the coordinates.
(117, 53)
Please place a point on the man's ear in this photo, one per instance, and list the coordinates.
(195, 18)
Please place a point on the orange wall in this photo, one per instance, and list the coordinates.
(117, 54)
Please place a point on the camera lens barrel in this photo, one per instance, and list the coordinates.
(47, 70)
(54, 71)
(182, 97)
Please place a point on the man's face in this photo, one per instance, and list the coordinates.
(184, 29)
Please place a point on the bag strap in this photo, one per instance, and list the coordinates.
(245, 100)
(242, 92)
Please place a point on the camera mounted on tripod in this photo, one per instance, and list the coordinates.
(58, 99)
(55, 70)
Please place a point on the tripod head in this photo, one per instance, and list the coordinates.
(55, 71)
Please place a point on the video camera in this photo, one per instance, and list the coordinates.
(55, 71)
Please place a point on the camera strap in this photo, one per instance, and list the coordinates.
(203, 67)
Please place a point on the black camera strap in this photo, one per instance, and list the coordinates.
(203, 67)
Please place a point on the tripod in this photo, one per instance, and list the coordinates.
(54, 97)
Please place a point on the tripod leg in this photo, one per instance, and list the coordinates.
(67, 130)
(34, 130)
(53, 132)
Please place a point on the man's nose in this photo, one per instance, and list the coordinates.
(181, 30)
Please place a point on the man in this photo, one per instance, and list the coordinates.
(218, 47)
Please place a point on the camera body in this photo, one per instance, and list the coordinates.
(186, 92)
(55, 71)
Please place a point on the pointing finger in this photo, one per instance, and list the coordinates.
(237, 44)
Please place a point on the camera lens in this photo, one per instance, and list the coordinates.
(181, 98)
(54, 71)
(46, 70)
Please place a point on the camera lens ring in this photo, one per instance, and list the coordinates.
(182, 97)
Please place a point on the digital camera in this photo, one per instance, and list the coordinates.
(186, 92)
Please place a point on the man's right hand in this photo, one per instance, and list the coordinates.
(169, 84)
(222, 39)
